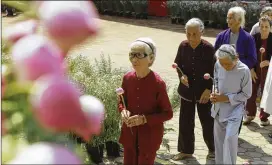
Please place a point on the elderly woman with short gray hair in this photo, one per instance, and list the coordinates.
(146, 106)
(235, 34)
(233, 87)
(195, 57)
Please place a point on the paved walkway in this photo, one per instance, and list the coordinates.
(254, 144)
(114, 39)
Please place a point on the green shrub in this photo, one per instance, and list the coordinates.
(100, 79)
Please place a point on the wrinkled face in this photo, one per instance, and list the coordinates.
(232, 22)
(139, 59)
(265, 27)
(193, 35)
(227, 63)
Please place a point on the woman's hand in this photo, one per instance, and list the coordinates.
(253, 75)
(264, 63)
(184, 80)
(136, 120)
(205, 96)
(125, 114)
(217, 98)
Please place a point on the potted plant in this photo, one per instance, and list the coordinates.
(95, 149)
(252, 14)
(185, 8)
(140, 8)
(204, 10)
(174, 10)
(94, 79)
(128, 8)
(108, 96)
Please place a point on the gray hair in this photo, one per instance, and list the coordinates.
(239, 14)
(146, 43)
(195, 22)
(265, 10)
(226, 51)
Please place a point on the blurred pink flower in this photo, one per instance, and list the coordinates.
(21, 29)
(34, 56)
(56, 105)
(94, 112)
(69, 22)
(45, 153)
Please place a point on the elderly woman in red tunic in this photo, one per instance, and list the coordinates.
(146, 106)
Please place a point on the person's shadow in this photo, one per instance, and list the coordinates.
(244, 152)
(264, 131)
(193, 160)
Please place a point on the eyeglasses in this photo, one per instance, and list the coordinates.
(137, 55)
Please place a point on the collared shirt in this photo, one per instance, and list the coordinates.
(237, 85)
(145, 96)
(195, 63)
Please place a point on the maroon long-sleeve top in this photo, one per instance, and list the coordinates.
(195, 63)
(145, 96)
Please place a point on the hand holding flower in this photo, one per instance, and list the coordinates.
(125, 114)
(136, 120)
(264, 63)
(184, 80)
(216, 97)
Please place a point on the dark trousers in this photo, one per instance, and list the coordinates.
(251, 102)
(186, 139)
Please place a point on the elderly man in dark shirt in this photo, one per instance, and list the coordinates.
(195, 57)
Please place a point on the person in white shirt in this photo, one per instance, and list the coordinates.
(265, 11)
(267, 93)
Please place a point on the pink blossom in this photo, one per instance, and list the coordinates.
(46, 153)
(34, 56)
(94, 112)
(246, 163)
(120, 91)
(207, 76)
(69, 22)
(56, 104)
(262, 50)
(17, 31)
(174, 65)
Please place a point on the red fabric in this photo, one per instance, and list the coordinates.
(157, 8)
(146, 96)
(261, 74)
(131, 157)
